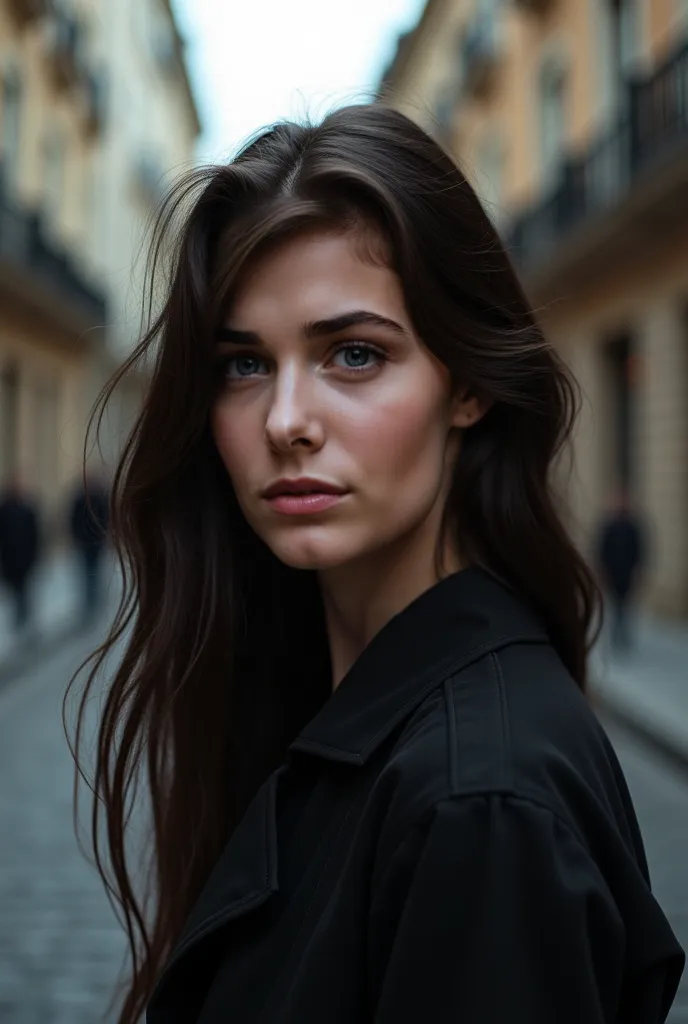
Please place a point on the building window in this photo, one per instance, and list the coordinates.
(620, 38)
(625, 14)
(552, 116)
(47, 434)
(93, 207)
(10, 131)
(53, 178)
(9, 414)
(622, 382)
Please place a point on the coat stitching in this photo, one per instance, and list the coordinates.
(506, 738)
(451, 670)
(452, 741)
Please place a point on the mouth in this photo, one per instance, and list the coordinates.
(300, 486)
(303, 496)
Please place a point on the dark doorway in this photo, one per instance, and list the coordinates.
(622, 373)
(623, 48)
(9, 412)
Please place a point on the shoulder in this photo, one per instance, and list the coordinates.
(512, 724)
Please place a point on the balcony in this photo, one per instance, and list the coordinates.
(34, 269)
(480, 55)
(62, 39)
(26, 11)
(629, 189)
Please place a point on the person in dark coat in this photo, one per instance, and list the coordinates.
(353, 665)
(89, 520)
(19, 547)
(621, 557)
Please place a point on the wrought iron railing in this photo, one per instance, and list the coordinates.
(652, 129)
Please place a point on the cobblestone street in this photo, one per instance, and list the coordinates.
(60, 945)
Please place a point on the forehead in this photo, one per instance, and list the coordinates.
(315, 275)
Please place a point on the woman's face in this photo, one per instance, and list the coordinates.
(321, 376)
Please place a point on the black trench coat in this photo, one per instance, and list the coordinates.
(450, 839)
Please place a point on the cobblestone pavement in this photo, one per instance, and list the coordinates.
(60, 944)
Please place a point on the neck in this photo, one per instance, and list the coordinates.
(359, 599)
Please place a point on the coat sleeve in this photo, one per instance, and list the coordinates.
(491, 911)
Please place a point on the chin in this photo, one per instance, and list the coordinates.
(317, 553)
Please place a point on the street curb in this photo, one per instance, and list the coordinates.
(622, 715)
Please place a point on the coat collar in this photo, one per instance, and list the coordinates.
(456, 621)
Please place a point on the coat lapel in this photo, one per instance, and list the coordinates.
(245, 876)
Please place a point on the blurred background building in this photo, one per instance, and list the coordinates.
(96, 113)
(570, 118)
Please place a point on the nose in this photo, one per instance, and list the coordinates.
(292, 419)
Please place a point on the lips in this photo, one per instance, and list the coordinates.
(302, 486)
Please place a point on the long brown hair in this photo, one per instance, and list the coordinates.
(225, 654)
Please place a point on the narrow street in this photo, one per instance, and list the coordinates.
(60, 944)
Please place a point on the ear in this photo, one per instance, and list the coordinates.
(468, 408)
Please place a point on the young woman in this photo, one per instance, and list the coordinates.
(356, 628)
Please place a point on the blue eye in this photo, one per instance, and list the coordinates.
(240, 367)
(358, 356)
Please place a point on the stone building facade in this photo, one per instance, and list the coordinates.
(570, 118)
(96, 112)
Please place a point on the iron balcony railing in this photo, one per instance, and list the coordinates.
(25, 246)
(652, 130)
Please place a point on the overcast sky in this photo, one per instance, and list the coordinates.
(254, 62)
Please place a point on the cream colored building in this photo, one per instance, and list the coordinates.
(96, 111)
(570, 117)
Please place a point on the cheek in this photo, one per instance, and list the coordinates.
(232, 436)
(404, 441)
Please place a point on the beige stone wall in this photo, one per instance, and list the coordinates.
(651, 304)
(572, 32)
(643, 293)
(51, 410)
(663, 445)
(99, 220)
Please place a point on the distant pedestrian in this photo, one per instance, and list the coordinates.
(620, 558)
(19, 546)
(89, 520)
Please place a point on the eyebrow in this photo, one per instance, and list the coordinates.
(318, 328)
